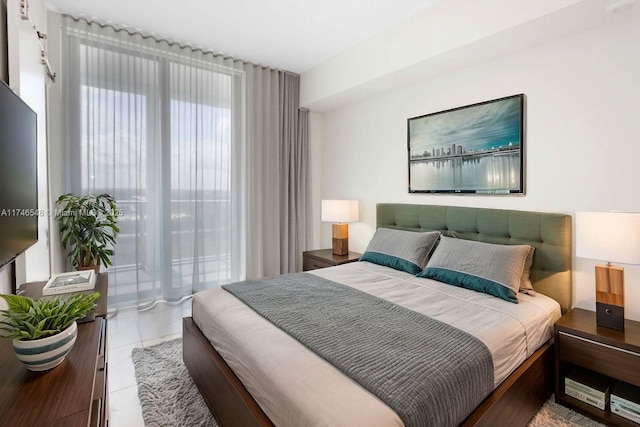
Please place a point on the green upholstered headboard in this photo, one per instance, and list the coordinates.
(549, 233)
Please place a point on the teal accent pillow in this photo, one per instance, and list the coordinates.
(484, 267)
(402, 250)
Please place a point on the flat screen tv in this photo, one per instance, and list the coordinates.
(475, 149)
(18, 176)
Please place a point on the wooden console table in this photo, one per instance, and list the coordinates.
(73, 393)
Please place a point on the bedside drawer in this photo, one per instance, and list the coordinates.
(100, 404)
(323, 258)
(313, 264)
(612, 361)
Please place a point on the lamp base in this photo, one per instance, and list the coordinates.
(610, 297)
(610, 316)
(340, 239)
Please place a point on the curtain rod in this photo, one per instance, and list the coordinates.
(158, 38)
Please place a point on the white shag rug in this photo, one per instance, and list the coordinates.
(551, 415)
(167, 394)
(169, 397)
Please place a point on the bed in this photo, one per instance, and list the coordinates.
(522, 374)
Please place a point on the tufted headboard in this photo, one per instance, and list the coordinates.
(549, 233)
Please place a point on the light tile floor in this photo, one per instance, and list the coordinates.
(127, 330)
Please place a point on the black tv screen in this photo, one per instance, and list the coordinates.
(18, 176)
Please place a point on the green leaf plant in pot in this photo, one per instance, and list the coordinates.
(88, 229)
(44, 330)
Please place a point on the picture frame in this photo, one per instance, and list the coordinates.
(474, 149)
(73, 281)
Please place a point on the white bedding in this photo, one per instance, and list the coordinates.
(295, 387)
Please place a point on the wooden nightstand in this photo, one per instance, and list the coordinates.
(72, 394)
(614, 354)
(322, 258)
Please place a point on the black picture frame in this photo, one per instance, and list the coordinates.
(474, 149)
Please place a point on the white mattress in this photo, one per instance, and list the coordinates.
(295, 387)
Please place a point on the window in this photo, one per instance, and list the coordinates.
(161, 133)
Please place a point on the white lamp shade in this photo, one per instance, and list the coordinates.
(340, 211)
(608, 236)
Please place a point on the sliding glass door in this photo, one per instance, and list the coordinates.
(163, 135)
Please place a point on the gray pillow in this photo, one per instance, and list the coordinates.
(403, 250)
(483, 267)
(525, 281)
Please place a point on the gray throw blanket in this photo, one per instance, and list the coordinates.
(430, 373)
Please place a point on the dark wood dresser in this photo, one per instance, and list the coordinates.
(73, 393)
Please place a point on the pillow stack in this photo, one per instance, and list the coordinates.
(498, 270)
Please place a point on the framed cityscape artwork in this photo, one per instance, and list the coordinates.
(475, 149)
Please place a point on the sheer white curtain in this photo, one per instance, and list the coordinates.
(193, 146)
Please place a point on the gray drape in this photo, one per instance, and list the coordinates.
(278, 202)
(208, 155)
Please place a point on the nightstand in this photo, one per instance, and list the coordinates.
(611, 353)
(323, 258)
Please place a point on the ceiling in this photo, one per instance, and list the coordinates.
(294, 35)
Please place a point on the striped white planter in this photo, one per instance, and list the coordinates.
(46, 353)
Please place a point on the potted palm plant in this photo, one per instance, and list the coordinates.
(43, 330)
(88, 228)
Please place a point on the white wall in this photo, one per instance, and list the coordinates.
(4, 73)
(27, 79)
(55, 138)
(445, 36)
(581, 136)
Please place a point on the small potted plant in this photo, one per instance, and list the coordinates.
(43, 330)
(88, 229)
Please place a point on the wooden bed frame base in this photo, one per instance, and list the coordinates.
(513, 403)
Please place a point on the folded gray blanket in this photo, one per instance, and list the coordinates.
(430, 373)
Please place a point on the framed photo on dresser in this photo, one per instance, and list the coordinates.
(73, 281)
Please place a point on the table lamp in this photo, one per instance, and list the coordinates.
(609, 236)
(340, 212)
